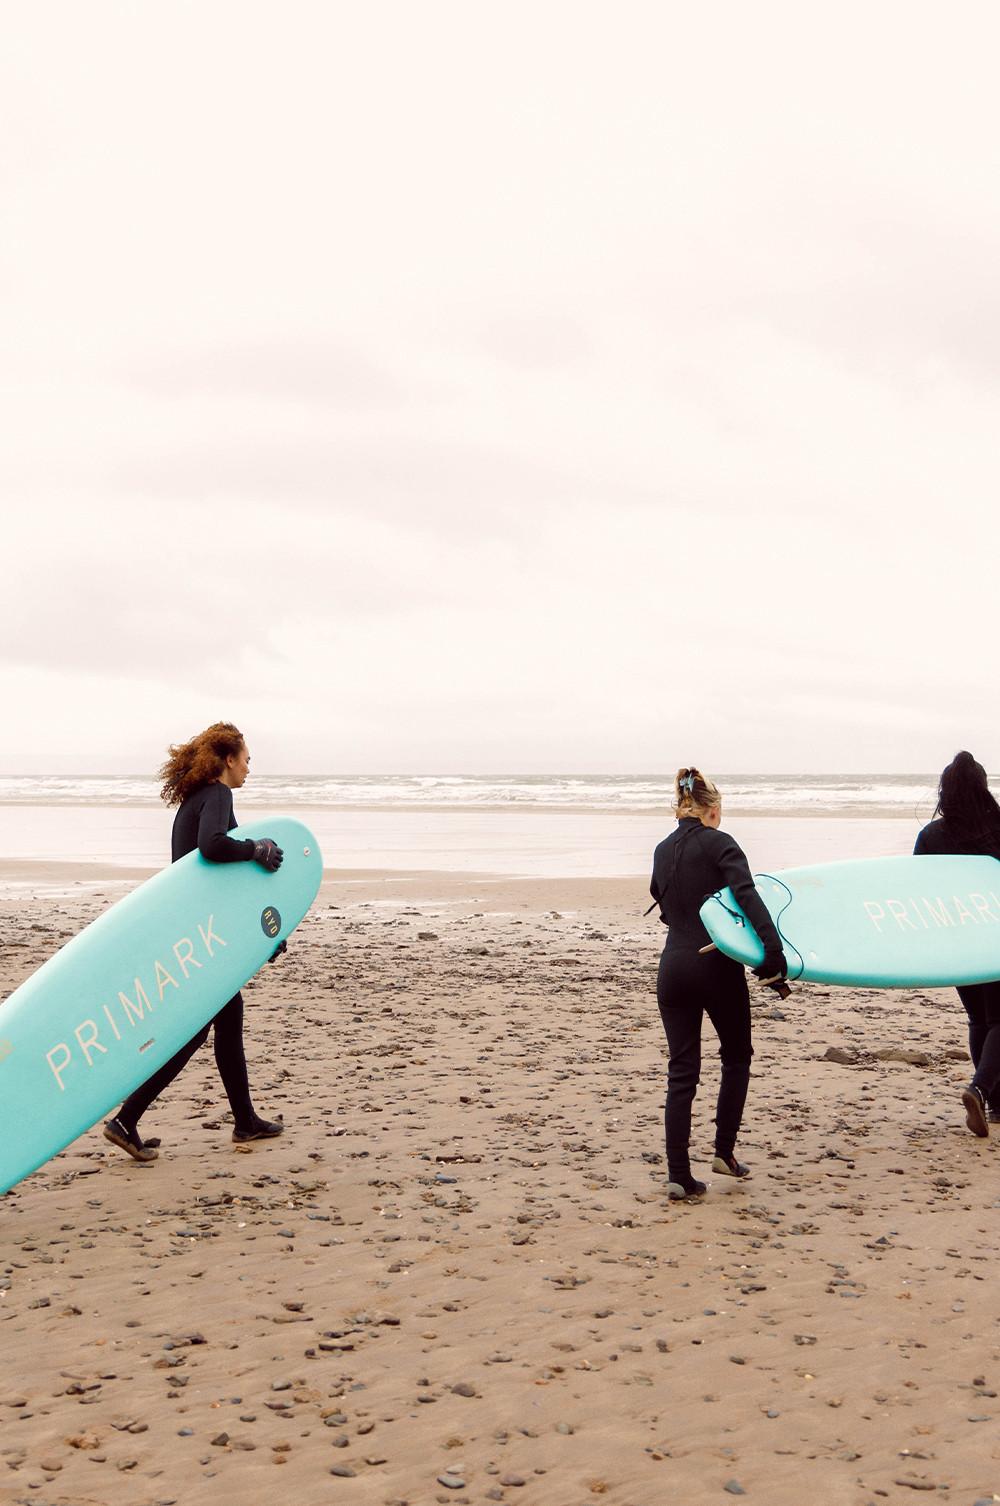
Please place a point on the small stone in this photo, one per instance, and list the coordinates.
(220, 1440)
(464, 1389)
(451, 1482)
(904, 1054)
(844, 1056)
(342, 1471)
(734, 1488)
(513, 1480)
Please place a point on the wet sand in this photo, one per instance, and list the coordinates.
(457, 1278)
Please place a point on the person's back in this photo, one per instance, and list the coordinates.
(944, 837)
(693, 862)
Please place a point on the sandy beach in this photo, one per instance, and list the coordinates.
(457, 1278)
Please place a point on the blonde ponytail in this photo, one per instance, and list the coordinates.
(694, 793)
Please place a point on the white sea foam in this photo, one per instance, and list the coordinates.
(906, 795)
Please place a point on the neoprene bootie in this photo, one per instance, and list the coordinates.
(975, 1111)
(728, 1166)
(681, 1188)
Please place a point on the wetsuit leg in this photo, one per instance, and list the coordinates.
(678, 997)
(730, 1015)
(138, 1102)
(230, 1058)
(974, 999)
(982, 1005)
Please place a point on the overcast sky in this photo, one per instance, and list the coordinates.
(456, 387)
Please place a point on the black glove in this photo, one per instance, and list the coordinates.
(281, 947)
(774, 968)
(268, 854)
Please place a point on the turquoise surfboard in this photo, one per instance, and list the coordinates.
(915, 922)
(119, 999)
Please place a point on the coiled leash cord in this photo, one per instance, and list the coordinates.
(786, 945)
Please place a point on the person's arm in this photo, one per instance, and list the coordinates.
(920, 847)
(736, 872)
(214, 841)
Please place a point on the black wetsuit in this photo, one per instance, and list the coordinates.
(204, 821)
(693, 862)
(981, 1000)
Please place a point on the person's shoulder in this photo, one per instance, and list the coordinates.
(208, 794)
(933, 837)
(720, 838)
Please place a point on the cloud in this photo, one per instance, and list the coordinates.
(468, 486)
(319, 372)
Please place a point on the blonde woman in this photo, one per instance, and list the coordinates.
(695, 860)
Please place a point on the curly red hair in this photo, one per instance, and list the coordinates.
(199, 761)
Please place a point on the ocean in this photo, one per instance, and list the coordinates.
(532, 826)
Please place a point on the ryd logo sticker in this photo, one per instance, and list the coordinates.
(270, 921)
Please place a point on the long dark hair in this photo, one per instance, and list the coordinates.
(199, 761)
(965, 801)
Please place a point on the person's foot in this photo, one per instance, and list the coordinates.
(975, 1111)
(679, 1189)
(259, 1129)
(129, 1141)
(728, 1166)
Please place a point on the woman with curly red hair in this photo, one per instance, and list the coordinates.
(199, 777)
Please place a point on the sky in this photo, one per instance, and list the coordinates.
(468, 388)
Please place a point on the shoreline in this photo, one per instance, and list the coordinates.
(857, 812)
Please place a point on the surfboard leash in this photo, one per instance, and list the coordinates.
(786, 944)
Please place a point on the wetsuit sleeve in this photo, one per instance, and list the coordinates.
(919, 845)
(736, 872)
(214, 841)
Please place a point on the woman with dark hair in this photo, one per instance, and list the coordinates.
(199, 778)
(967, 820)
(694, 860)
